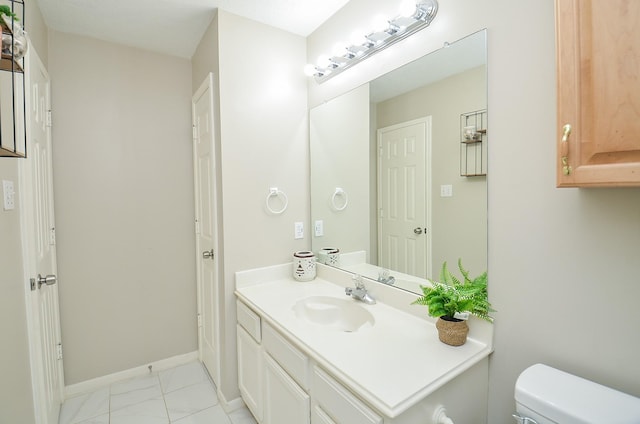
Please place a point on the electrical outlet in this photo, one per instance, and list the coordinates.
(298, 230)
(318, 228)
(8, 195)
(446, 190)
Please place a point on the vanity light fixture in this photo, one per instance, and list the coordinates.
(407, 23)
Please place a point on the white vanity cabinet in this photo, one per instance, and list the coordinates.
(250, 359)
(286, 381)
(284, 402)
(333, 402)
(271, 393)
(393, 370)
(279, 383)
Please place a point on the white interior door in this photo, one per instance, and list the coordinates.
(206, 227)
(40, 250)
(404, 197)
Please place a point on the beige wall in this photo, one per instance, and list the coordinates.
(123, 184)
(263, 143)
(37, 30)
(16, 399)
(458, 223)
(205, 59)
(561, 261)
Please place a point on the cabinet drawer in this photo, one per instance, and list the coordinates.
(289, 357)
(342, 406)
(249, 320)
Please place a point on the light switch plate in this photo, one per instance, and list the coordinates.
(8, 195)
(298, 230)
(318, 228)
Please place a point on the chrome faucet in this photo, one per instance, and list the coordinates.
(385, 278)
(359, 292)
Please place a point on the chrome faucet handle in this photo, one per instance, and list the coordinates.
(357, 279)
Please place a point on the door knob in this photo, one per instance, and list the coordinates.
(417, 230)
(48, 280)
(208, 254)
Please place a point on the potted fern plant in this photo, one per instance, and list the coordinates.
(451, 300)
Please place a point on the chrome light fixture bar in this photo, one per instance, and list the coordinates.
(397, 29)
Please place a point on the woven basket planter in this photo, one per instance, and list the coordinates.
(454, 332)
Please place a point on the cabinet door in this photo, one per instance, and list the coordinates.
(250, 372)
(285, 402)
(319, 416)
(598, 77)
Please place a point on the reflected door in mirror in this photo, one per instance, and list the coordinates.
(403, 194)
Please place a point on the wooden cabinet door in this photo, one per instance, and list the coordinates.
(598, 76)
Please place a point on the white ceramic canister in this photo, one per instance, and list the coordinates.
(304, 266)
(329, 256)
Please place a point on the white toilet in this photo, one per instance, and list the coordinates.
(545, 395)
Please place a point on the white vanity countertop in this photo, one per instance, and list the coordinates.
(392, 364)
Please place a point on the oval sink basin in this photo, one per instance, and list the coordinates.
(333, 313)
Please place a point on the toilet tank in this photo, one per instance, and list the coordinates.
(551, 396)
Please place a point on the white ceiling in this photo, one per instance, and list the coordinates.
(175, 26)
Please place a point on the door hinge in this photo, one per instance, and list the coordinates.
(199, 320)
(49, 119)
(52, 236)
(59, 350)
(195, 133)
(197, 227)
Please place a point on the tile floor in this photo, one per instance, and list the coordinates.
(181, 395)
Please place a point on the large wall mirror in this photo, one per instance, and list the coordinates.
(398, 169)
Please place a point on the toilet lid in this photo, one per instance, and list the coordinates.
(569, 399)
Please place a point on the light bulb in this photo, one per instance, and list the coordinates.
(309, 70)
(323, 61)
(380, 23)
(407, 8)
(339, 50)
(357, 38)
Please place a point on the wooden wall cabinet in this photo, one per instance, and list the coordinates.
(598, 88)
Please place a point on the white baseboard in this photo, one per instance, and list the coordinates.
(230, 405)
(89, 386)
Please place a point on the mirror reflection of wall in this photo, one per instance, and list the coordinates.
(12, 136)
(339, 159)
(349, 133)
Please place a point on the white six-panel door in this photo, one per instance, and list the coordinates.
(206, 227)
(403, 197)
(43, 315)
